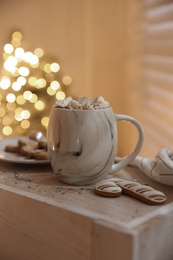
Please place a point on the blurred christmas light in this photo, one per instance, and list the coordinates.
(27, 95)
(45, 121)
(40, 83)
(60, 95)
(39, 105)
(55, 85)
(17, 36)
(7, 130)
(5, 83)
(23, 71)
(16, 86)
(47, 68)
(8, 48)
(39, 52)
(34, 98)
(19, 53)
(29, 86)
(21, 81)
(67, 80)
(54, 67)
(10, 98)
(10, 63)
(25, 114)
(20, 100)
(25, 124)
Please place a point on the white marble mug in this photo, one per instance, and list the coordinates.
(82, 144)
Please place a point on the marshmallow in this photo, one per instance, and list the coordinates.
(63, 103)
(100, 103)
(104, 104)
(84, 103)
(75, 104)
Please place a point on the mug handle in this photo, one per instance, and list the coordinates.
(128, 159)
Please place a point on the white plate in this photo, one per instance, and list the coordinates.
(14, 157)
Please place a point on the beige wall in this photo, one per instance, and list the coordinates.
(56, 26)
(90, 38)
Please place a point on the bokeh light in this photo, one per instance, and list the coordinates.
(45, 121)
(23, 71)
(8, 48)
(30, 83)
(60, 95)
(7, 130)
(20, 100)
(17, 36)
(16, 86)
(10, 97)
(54, 67)
(5, 83)
(39, 52)
(39, 105)
(19, 53)
(25, 124)
(67, 80)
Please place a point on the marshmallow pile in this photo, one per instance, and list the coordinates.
(83, 103)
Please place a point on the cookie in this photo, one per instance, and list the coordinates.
(107, 188)
(42, 155)
(30, 148)
(141, 192)
(12, 148)
(25, 150)
(42, 145)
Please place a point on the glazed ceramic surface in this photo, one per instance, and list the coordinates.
(82, 144)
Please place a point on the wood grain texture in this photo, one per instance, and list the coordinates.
(34, 229)
(108, 242)
(42, 218)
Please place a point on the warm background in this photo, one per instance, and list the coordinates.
(118, 49)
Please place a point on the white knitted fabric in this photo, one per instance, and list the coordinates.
(160, 169)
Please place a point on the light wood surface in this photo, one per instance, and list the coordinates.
(42, 218)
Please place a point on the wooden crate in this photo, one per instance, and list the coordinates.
(42, 218)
